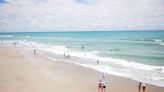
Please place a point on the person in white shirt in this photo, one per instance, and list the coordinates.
(103, 83)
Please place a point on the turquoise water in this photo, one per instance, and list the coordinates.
(139, 46)
(128, 49)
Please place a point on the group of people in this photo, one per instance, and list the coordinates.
(102, 84)
(117, 49)
(142, 87)
(66, 56)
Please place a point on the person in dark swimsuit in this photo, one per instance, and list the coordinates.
(143, 87)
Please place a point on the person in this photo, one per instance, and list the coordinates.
(15, 44)
(34, 52)
(99, 86)
(143, 87)
(68, 56)
(82, 47)
(139, 87)
(103, 83)
(103, 86)
(103, 77)
(64, 55)
(97, 61)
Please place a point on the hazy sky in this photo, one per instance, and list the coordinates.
(55, 15)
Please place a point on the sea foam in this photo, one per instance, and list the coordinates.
(6, 36)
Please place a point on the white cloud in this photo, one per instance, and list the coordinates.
(29, 15)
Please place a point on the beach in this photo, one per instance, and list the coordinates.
(81, 46)
(131, 54)
(23, 72)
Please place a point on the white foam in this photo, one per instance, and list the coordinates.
(158, 40)
(62, 49)
(56, 49)
(162, 69)
(6, 36)
(161, 44)
(144, 77)
(105, 69)
(131, 64)
(93, 55)
(27, 36)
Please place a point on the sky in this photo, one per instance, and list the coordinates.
(81, 15)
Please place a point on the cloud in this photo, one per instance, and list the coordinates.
(46, 15)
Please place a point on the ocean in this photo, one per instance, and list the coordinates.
(138, 55)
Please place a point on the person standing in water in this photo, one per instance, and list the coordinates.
(82, 47)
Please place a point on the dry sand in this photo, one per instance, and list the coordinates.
(22, 72)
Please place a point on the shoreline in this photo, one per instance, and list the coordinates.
(110, 65)
(101, 73)
(60, 58)
(69, 77)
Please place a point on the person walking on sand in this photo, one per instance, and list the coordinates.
(97, 61)
(103, 86)
(34, 52)
(64, 55)
(139, 87)
(100, 86)
(143, 87)
(103, 83)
